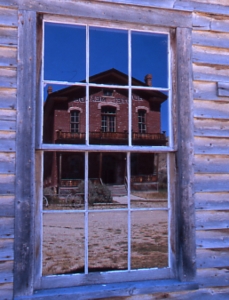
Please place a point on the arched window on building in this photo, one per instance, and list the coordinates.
(142, 121)
(74, 122)
(108, 114)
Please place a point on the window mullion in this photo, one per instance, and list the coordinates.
(86, 214)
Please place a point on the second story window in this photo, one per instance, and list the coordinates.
(108, 119)
(142, 121)
(74, 122)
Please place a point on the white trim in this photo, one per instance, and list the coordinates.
(75, 108)
(100, 105)
(143, 108)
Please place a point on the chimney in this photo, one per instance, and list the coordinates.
(49, 91)
(148, 79)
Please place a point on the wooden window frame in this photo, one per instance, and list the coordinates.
(72, 130)
(29, 162)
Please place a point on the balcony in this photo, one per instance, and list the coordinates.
(113, 138)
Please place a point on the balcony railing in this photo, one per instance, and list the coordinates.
(61, 135)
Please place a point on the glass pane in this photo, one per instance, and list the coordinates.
(107, 241)
(108, 56)
(150, 59)
(149, 180)
(64, 115)
(108, 116)
(107, 180)
(65, 52)
(149, 118)
(149, 241)
(63, 181)
(63, 243)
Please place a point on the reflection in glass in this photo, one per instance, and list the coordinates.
(107, 241)
(149, 180)
(149, 239)
(150, 59)
(64, 52)
(108, 119)
(108, 50)
(64, 115)
(107, 180)
(148, 120)
(63, 243)
(63, 181)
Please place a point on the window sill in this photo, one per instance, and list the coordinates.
(112, 290)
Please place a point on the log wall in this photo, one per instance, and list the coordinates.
(210, 72)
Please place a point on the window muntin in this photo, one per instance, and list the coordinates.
(133, 94)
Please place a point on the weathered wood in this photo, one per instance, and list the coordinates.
(211, 183)
(7, 141)
(206, 91)
(7, 206)
(213, 239)
(7, 184)
(6, 291)
(210, 73)
(223, 89)
(25, 149)
(216, 164)
(8, 78)
(212, 201)
(211, 124)
(211, 39)
(6, 249)
(8, 36)
(7, 228)
(211, 109)
(212, 220)
(111, 12)
(7, 120)
(210, 22)
(184, 156)
(7, 163)
(7, 98)
(213, 277)
(155, 3)
(211, 258)
(213, 56)
(8, 16)
(201, 7)
(206, 145)
(6, 272)
(8, 56)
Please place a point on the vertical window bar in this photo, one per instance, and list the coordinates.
(169, 205)
(170, 133)
(129, 212)
(86, 214)
(87, 84)
(129, 90)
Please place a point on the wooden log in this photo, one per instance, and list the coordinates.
(8, 56)
(206, 145)
(213, 239)
(212, 220)
(203, 72)
(7, 227)
(210, 22)
(7, 206)
(213, 56)
(201, 7)
(6, 272)
(6, 291)
(223, 89)
(212, 201)
(217, 164)
(8, 16)
(7, 184)
(7, 141)
(8, 77)
(211, 109)
(7, 163)
(211, 39)
(211, 183)
(212, 258)
(8, 120)
(208, 124)
(155, 3)
(7, 98)
(6, 249)
(8, 36)
(212, 277)
(207, 91)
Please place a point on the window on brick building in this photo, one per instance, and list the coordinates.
(108, 115)
(74, 123)
(142, 121)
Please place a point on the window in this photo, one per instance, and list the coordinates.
(142, 121)
(108, 115)
(101, 219)
(74, 121)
